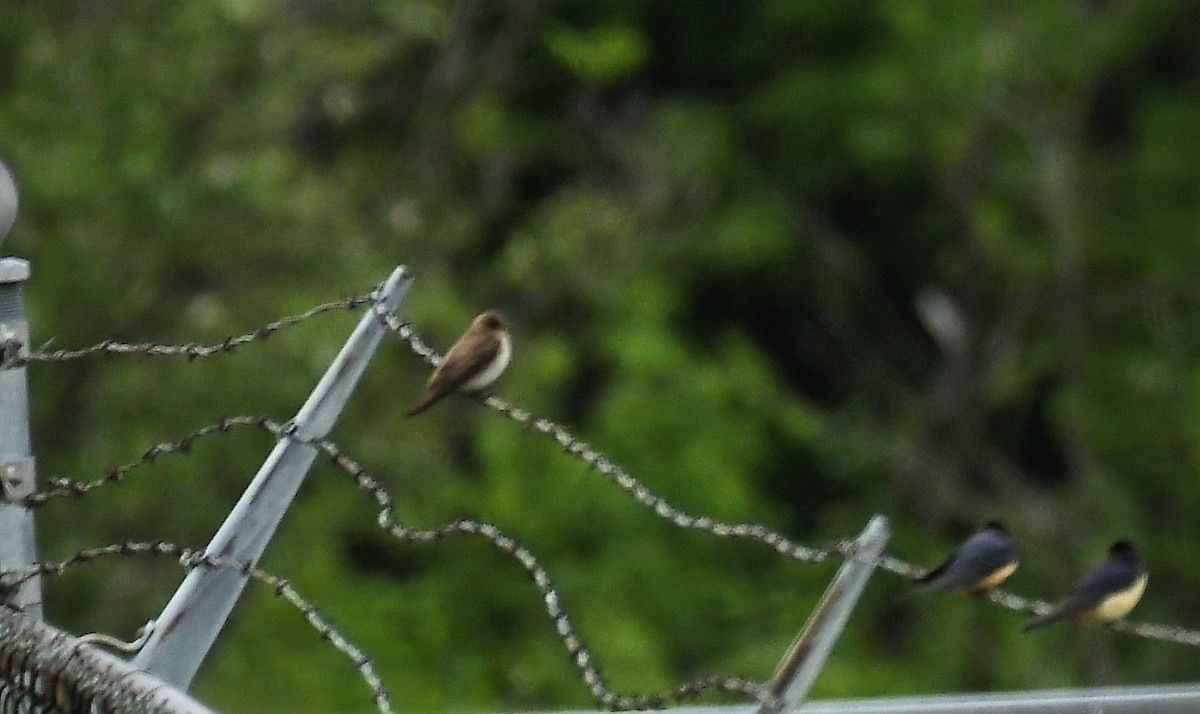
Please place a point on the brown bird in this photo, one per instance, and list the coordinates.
(472, 364)
(1106, 594)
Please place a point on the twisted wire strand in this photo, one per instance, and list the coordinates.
(190, 558)
(564, 627)
(189, 350)
(576, 648)
(602, 465)
(63, 487)
(596, 462)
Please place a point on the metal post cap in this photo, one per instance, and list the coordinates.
(14, 270)
(8, 200)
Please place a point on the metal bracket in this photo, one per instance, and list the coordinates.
(17, 478)
(14, 342)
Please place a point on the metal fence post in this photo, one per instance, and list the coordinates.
(800, 666)
(1140, 699)
(17, 544)
(189, 624)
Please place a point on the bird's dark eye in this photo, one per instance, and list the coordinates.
(491, 322)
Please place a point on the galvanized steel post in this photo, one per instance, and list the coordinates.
(17, 543)
(189, 624)
(1144, 699)
(792, 681)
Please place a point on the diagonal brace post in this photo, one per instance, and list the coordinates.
(790, 684)
(189, 624)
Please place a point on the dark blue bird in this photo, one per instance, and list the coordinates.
(981, 563)
(1106, 594)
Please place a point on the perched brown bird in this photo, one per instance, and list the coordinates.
(982, 562)
(472, 364)
(1106, 594)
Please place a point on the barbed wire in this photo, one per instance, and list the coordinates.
(578, 652)
(62, 487)
(190, 558)
(189, 350)
(596, 462)
(602, 465)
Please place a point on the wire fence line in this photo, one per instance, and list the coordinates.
(551, 600)
(596, 461)
(191, 558)
(188, 350)
(603, 466)
(579, 653)
(58, 487)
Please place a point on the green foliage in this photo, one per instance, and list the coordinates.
(598, 56)
(710, 224)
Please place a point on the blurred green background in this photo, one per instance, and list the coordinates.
(787, 262)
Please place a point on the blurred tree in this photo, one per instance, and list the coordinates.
(787, 262)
